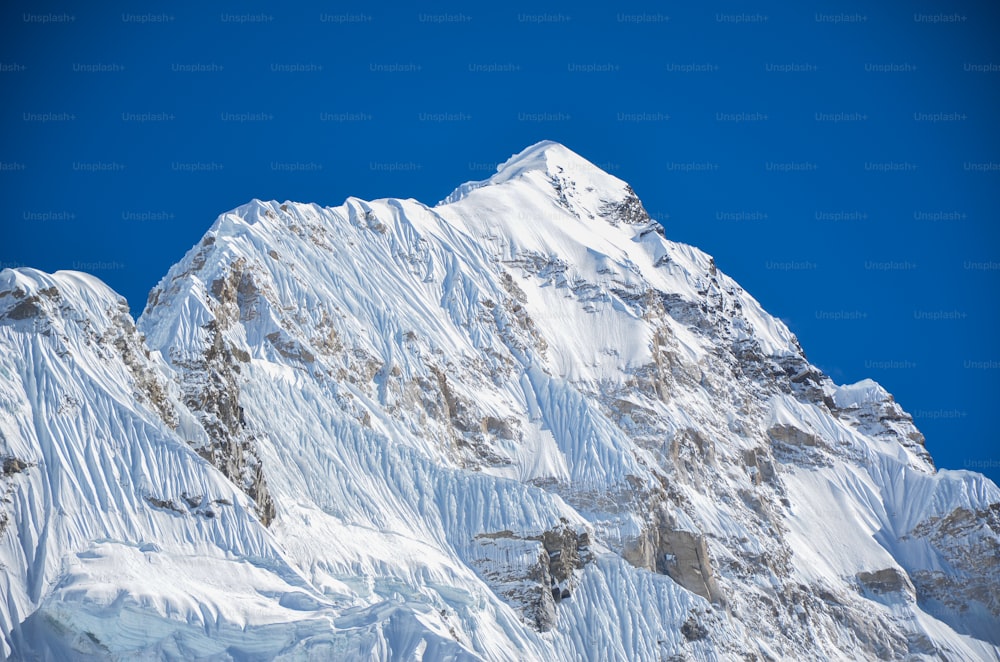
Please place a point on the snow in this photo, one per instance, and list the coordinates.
(854, 395)
(429, 392)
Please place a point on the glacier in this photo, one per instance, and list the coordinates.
(518, 424)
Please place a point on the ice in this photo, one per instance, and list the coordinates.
(442, 404)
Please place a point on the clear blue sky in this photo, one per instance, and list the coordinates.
(840, 160)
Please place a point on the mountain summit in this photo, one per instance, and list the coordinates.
(548, 157)
(520, 424)
(546, 160)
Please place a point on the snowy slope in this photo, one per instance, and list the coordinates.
(520, 424)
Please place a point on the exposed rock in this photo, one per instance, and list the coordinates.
(13, 465)
(969, 542)
(682, 555)
(567, 550)
(533, 573)
(883, 418)
(792, 444)
(629, 211)
(24, 309)
(887, 580)
(150, 387)
(693, 630)
(210, 384)
(759, 465)
(165, 504)
(290, 348)
(793, 436)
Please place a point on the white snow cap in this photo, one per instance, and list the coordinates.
(860, 393)
(548, 158)
(81, 291)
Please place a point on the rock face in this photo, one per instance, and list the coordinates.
(534, 573)
(887, 580)
(520, 424)
(969, 540)
(210, 381)
(685, 559)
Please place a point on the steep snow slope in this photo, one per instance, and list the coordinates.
(520, 424)
(110, 521)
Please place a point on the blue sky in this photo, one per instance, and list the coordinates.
(840, 160)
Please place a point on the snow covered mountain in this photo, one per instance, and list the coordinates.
(520, 424)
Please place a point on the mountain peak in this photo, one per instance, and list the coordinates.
(27, 293)
(497, 428)
(546, 155)
(553, 161)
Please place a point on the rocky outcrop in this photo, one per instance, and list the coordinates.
(759, 465)
(532, 573)
(210, 384)
(882, 417)
(969, 542)
(793, 436)
(886, 580)
(10, 468)
(629, 210)
(792, 444)
(149, 386)
(13, 465)
(567, 550)
(681, 555)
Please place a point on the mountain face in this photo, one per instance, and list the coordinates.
(520, 424)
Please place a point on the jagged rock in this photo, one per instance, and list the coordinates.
(629, 210)
(290, 348)
(968, 541)
(13, 465)
(533, 573)
(568, 550)
(26, 309)
(693, 630)
(684, 556)
(887, 580)
(210, 383)
(165, 504)
(869, 408)
(793, 436)
(757, 462)
(150, 387)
